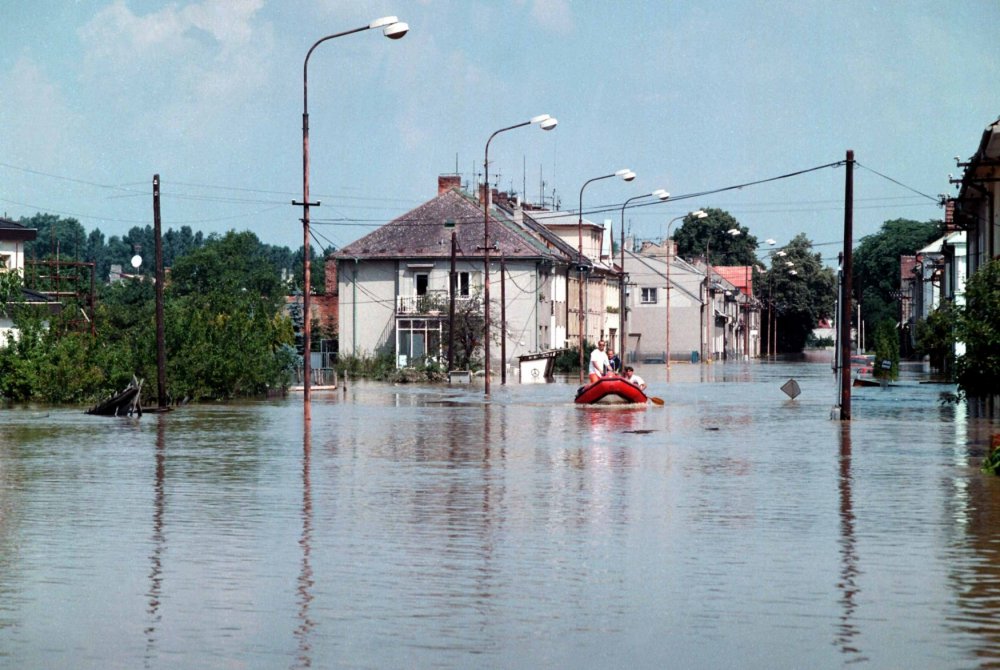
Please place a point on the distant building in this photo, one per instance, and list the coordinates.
(13, 235)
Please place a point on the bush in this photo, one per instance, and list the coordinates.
(978, 371)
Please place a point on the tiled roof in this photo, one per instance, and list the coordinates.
(740, 276)
(423, 233)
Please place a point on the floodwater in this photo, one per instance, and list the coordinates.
(423, 527)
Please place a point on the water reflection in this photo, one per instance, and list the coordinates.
(158, 538)
(848, 630)
(305, 579)
(976, 555)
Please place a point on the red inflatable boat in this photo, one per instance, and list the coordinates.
(610, 390)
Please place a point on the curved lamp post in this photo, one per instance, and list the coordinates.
(545, 122)
(662, 195)
(626, 175)
(697, 214)
(394, 29)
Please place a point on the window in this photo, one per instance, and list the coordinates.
(422, 280)
(648, 296)
(463, 284)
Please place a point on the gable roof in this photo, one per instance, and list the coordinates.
(550, 239)
(422, 233)
(11, 230)
(740, 276)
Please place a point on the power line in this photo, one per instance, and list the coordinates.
(936, 199)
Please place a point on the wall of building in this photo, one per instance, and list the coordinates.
(647, 322)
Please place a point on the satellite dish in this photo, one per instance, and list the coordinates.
(136, 261)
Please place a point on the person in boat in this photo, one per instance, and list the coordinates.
(614, 362)
(599, 364)
(633, 378)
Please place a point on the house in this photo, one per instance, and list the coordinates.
(747, 331)
(936, 273)
(13, 236)
(590, 252)
(721, 313)
(646, 299)
(393, 284)
(976, 208)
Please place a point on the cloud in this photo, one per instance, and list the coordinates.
(191, 63)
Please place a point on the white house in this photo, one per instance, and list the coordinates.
(393, 284)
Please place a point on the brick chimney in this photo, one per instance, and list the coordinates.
(446, 182)
(331, 276)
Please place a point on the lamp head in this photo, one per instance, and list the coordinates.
(661, 194)
(699, 214)
(549, 123)
(627, 175)
(735, 232)
(396, 30)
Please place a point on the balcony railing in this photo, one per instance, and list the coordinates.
(435, 302)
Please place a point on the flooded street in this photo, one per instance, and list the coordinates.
(421, 526)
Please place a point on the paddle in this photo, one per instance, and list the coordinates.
(656, 401)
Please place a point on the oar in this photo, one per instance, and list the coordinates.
(656, 401)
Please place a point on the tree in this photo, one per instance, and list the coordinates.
(711, 232)
(979, 328)
(227, 265)
(801, 300)
(69, 236)
(876, 266)
(936, 337)
(886, 349)
(10, 291)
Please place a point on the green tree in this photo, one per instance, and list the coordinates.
(876, 266)
(712, 233)
(978, 370)
(800, 300)
(10, 291)
(886, 349)
(230, 264)
(68, 236)
(936, 337)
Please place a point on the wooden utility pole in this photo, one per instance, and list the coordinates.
(845, 302)
(161, 349)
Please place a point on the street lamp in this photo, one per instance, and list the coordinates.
(697, 214)
(394, 29)
(545, 122)
(662, 195)
(626, 175)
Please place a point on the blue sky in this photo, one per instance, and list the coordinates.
(97, 96)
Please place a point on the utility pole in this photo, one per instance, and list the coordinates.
(845, 303)
(161, 349)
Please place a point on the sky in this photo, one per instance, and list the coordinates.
(97, 96)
